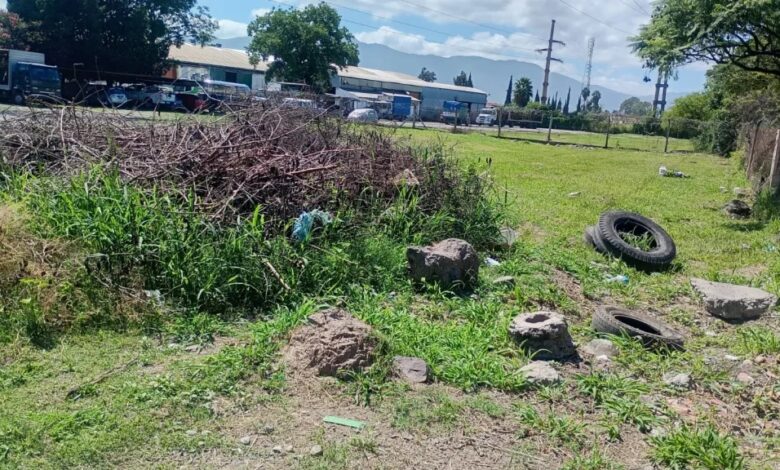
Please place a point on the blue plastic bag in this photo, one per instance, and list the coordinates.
(305, 222)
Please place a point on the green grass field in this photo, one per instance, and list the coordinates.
(186, 391)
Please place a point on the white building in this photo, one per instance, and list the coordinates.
(194, 62)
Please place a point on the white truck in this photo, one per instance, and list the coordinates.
(487, 117)
(24, 74)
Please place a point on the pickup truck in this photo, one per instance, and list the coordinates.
(24, 74)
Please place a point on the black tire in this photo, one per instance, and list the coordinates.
(18, 99)
(652, 332)
(659, 257)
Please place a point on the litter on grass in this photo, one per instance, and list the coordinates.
(350, 423)
(620, 279)
(492, 263)
(663, 171)
(305, 222)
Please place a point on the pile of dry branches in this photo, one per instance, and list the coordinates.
(283, 159)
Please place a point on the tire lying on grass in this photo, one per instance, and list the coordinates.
(652, 332)
(609, 237)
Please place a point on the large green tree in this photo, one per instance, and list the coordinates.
(427, 75)
(305, 45)
(635, 107)
(124, 36)
(523, 92)
(461, 80)
(745, 33)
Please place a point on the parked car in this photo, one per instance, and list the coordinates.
(363, 115)
(114, 97)
(152, 96)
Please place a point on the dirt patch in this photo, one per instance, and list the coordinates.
(332, 341)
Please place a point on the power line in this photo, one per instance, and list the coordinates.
(641, 7)
(633, 6)
(593, 17)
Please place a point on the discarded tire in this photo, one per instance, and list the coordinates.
(662, 249)
(592, 238)
(617, 321)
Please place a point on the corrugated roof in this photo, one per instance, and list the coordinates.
(399, 78)
(217, 56)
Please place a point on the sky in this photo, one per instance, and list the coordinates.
(498, 29)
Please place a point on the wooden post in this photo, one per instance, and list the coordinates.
(668, 130)
(500, 120)
(753, 149)
(774, 174)
(609, 127)
(549, 130)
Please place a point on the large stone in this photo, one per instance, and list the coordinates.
(508, 237)
(677, 380)
(601, 347)
(332, 341)
(540, 373)
(412, 369)
(738, 209)
(544, 334)
(452, 263)
(732, 302)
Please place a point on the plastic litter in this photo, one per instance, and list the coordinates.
(305, 222)
(351, 423)
(620, 278)
(492, 263)
(663, 171)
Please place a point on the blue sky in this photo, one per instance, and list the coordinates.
(501, 29)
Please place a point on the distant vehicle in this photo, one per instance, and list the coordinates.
(115, 97)
(455, 112)
(25, 74)
(487, 117)
(99, 94)
(402, 107)
(363, 115)
(298, 103)
(150, 96)
(226, 91)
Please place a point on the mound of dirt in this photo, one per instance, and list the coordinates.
(332, 341)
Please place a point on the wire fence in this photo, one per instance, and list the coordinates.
(762, 155)
(610, 131)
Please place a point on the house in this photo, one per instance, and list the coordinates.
(193, 62)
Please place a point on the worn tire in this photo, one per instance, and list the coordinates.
(592, 239)
(617, 321)
(658, 258)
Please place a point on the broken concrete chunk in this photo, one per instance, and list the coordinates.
(452, 263)
(544, 334)
(732, 302)
(601, 347)
(411, 369)
(540, 373)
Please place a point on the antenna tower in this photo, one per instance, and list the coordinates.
(589, 64)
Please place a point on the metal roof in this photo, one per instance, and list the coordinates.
(216, 56)
(399, 78)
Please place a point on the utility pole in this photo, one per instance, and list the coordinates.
(549, 50)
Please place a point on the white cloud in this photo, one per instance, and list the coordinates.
(260, 11)
(2, 4)
(230, 29)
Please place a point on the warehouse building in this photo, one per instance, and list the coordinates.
(368, 84)
(198, 63)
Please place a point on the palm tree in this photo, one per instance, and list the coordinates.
(524, 89)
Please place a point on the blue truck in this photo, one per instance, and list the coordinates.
(24, 74)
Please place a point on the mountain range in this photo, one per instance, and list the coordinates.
(491, 76)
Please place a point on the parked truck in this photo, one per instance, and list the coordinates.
(24, 74)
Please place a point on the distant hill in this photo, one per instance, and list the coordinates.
(491, 76)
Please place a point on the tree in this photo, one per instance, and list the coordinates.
(585, 94)
(635, 107)
(16, 33)
(697, 106)
(461, 80)
(112, 35)
(523, 91)
(307, 45)
(470, 82)
(593, 103)
(427, 75)
(568, 99)
(536, 99)
(745, 33)
(579, 104)
(508, 99)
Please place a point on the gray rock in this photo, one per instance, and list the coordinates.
(246, 440)
(540, 373)
(315, 451)
(411, 369)
(277, 450)
(507, 281)
(451, 263)
(268, 429)
(745, 378)
(731, 357)
(677, 380)
(601, 347)
(732, 302)
(738, 209)
(545, 334)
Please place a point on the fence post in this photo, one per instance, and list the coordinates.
(500, 120)
(549, 130)
(609, 128)
(774, 174)
(753, 149)
(668, 131)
